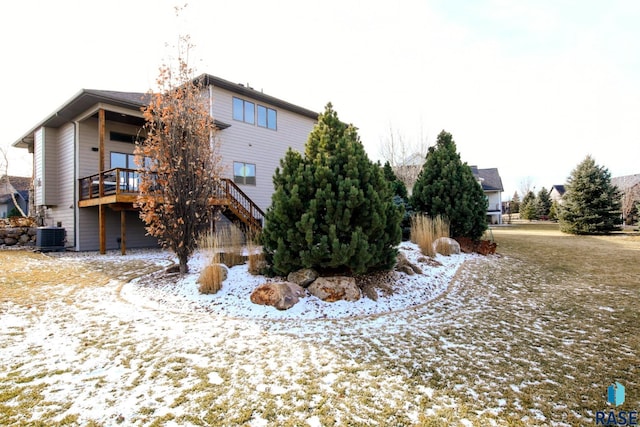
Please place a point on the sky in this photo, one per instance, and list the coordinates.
(528, 87)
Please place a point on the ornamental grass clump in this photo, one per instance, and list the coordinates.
(212, 275)
(255, 256)
(230, 245)
(426, 230)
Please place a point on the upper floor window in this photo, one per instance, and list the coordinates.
(244, 173)
(267, 117)
(244, 111)
(248, 112)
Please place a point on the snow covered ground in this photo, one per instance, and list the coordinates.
(233, 299)
(493, 344)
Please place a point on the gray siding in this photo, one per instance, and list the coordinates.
(89, 240)
(87, 159)
(50, 162)
(38, 166)
(63, 212)
(244, 142)
(89, 165)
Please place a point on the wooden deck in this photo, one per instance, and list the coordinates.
(118, 189)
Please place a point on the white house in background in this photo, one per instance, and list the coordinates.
(556, 193)
(85, 178)
(492, 187)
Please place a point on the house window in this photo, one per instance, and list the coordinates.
(244, 173)
(244, 111)
(266, 117)
(122, 160)
(124, 137)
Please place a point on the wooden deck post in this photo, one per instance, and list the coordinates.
(123, 231)
(101, 132)
(102, 224)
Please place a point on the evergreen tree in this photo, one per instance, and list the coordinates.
(543, 203)
(400, 199)
(447, 187)
(332, 209)
(553, 211)
(515, 203)
(591, 204)
(397, 187)
(527, 207)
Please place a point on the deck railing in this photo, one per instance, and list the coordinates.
(127, 181)
(107, 183)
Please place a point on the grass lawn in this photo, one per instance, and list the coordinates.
(531, 337)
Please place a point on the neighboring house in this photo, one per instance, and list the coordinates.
(492, 187)
(83, 164)
(556, 193)
(409, 170)
(629, 186)
(19, 187)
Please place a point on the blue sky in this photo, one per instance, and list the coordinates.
(529, 87)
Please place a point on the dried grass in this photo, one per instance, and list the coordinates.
(426, 230)
(230, 242)
(255, 255)
(211, 279)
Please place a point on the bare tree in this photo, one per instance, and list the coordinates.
(630, 201)
(405, 157)
(526, 185)
(179, 161)
(5, 164)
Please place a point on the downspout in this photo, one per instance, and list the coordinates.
(76, 153)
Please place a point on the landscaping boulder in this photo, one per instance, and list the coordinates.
(303, 277)
(10, 241)
(282, 295)
(446, 246)
(403, 265)
(335, 288)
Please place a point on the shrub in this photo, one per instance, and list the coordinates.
(591, 204)
(255, 256)
(446, 186)
(426, 230)
(230, 242)
(211, 278)
(332, 208)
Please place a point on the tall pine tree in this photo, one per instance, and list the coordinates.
(332, 209)
(591, 204)
(543, 203)
(397, 187)
(528, 206)
(447, 187)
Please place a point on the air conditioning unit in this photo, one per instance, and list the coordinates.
(50, 239)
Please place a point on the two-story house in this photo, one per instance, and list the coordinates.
(491, 184)
(83, 164)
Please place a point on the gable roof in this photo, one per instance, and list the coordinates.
(19, 185)
(489, 178)
(81, 102)
(625, 182)
(559, 188)
(86, 98)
